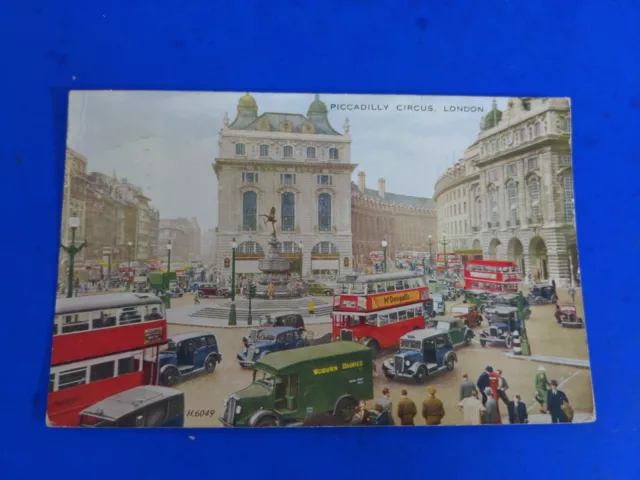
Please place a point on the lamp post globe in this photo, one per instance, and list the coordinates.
(72, 250)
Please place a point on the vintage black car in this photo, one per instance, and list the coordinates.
(279, 319)
(503, 322)
(511, 300)
(541, 294)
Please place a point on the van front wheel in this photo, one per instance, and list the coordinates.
(267, 421)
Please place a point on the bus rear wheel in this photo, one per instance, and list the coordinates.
(375, 348)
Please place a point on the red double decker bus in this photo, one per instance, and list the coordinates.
(99, 347)
(377, 310)
(498, 276)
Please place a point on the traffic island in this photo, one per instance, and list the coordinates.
(570, 362)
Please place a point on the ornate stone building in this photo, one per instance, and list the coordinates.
(404, 222)
(298, 164)
(185, 236)
(511, 195)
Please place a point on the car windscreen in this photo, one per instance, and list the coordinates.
(410, 344)
(443, 325)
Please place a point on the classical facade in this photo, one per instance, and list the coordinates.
(404, 222)
(511, 195)
(298, 165)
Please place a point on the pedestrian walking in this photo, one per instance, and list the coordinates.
(406, 409)
(196, 300)
(483, 382)
(541, 386)
(382, 415)
(432, 408)
(270, 290)
(491, 415)
(361, 416)
(385, 401)
(312, 310)
(503, 386)
(517, 411)
(467, 387)
(555, 402)
(472, 408)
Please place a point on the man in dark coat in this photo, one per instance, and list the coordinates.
(483, 382)
(382, 415)
(555, 400)
(517, 411)
(466, 387)
(406, 409)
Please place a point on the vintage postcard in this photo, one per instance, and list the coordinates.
(253, 260)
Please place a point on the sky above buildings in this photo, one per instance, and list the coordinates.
(166, 142)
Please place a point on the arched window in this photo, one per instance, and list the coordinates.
(324, 248)
(264, 150)
(249, 211)
(239, 148)
(333, 154)
(567, 186)
(493, 206)
(288, 212)
(534, 198)
(324, 212)
(512, 201)
(250, 248)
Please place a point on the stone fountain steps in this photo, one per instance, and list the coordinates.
(242, 313)
(279, 303)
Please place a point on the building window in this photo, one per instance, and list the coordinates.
(464, 207)
(249, 177)
(523, 135)
(567, 186)
(492, 176)
(250, 248)
(324, 212)
(565, 160)
(324, 248)
(264, 150)
(512, 198)
(311, 152)
(537, 130)
(249, 211)
(493, 206)
(532, 164)
(566, 124)
(333, 154)
(287, 178)
(325, 180)
(534, 199)
(287, 151)
(290, 247)
(479, 211)
(239, 148)
(288, 212)
(512, 170)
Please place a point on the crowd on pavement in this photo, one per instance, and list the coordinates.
(479, 403)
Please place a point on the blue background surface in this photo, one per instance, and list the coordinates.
(587, 50)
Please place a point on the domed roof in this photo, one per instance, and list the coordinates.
(247, 101)
(317, 106)
(493, 117)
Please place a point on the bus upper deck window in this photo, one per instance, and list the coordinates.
(380, 288)
(391, 287)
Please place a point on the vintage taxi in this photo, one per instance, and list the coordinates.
(468, 313)
(459, 333)
(422, 353)
(511, 300)
(186, 354)
(567, 316)
(267, 341)
(503, 322)
(542, 294)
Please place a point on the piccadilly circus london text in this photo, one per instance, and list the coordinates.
(372, 107)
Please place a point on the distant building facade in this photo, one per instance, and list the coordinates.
(185, 237)
(405, 222)
(299, 165)
(511, 195)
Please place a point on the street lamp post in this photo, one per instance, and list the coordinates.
(300, 245)
(129, 245)
(444, 251)
(166, 286)
(384, 255)
(524, 338)
(232, 310)
(73, 250)
(430, 256)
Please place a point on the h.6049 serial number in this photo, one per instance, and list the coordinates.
(201, 413)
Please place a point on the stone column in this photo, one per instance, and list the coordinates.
(558, 257)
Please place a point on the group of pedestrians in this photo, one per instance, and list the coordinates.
(432, 410)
